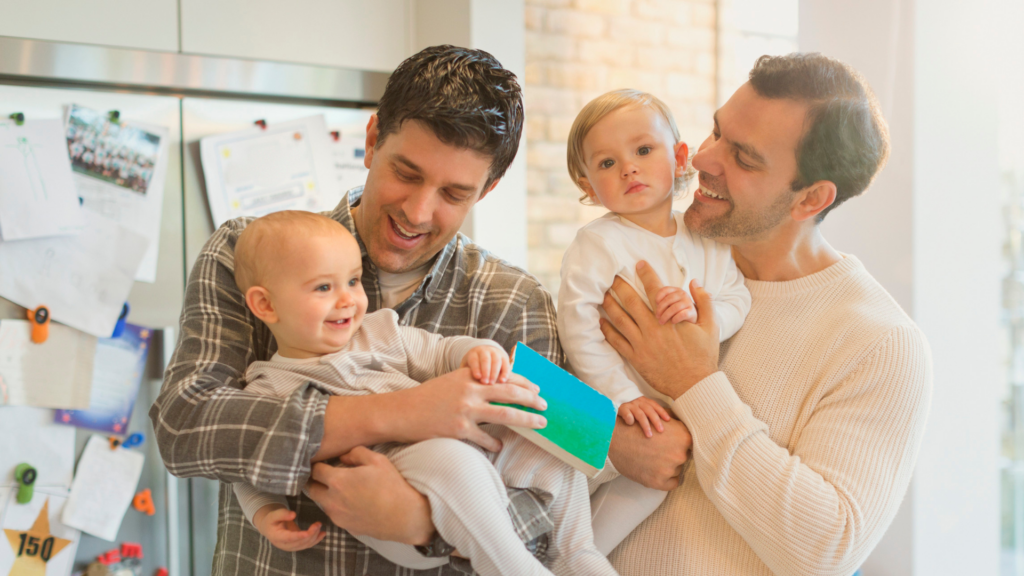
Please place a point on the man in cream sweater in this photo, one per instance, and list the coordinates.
(804, 438)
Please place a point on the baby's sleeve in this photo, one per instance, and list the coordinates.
(731, 297)
(251, 499)
(588, 270)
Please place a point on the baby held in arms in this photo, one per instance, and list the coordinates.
(625, 154)
(301, 275)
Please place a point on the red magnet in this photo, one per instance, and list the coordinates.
(131, 550)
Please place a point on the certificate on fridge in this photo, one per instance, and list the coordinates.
(259, 170)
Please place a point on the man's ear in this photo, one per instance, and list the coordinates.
(489, 188)
(682, 158)
(372, 132)
(816, 197)
(257, 298)
(584, 184)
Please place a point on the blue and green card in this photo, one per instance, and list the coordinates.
(580, 419)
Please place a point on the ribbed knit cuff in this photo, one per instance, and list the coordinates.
(708, 400)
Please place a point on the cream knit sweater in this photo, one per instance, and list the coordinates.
(803, 444)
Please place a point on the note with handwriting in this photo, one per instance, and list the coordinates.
(83, 279)
(54, 374)
(29, 435)
(104, 486)
(37, 194)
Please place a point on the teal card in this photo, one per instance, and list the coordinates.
(580, 419)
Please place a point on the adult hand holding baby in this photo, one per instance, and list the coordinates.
(672, 358)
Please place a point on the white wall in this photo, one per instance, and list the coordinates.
(146, 24)
(498, 222)
(929, 229)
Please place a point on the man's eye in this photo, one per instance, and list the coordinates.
(323, 288)
(404, 177)
(742, 164)
(715, 135)
(644, 150)
(607, 163)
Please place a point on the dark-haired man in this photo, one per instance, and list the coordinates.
(447, 128)
(805, 437)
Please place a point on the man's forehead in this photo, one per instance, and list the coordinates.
(771, 128)
(415, 147)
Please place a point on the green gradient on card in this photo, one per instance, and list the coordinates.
(580, 419)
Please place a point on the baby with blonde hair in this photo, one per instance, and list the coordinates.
(625, 154)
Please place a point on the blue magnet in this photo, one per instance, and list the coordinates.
(135, 439)
(121, 320)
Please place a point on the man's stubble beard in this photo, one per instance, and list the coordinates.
(739, 224)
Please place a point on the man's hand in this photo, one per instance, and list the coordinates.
(449, 406)
(645, 412)
(488, 364)
(453, 406)
(654, 462)
(277, 524)
(371, 498)
(670, 357)
(673, 304)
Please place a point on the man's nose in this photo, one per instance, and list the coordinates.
(419, 207)
(707, 159)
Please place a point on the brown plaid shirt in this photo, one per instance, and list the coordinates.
(207, 426)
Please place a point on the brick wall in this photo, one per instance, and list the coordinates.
(579, 49)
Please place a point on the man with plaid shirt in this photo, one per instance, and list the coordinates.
(447, 128)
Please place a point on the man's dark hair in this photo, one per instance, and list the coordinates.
(846, 140)
(463, 96)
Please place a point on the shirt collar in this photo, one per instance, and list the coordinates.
(433, 280)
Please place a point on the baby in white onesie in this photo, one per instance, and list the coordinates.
(301, 274)
(626, 155)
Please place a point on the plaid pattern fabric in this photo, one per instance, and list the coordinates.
(207, 426)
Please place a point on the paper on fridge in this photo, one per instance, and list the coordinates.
(119, 367)
(30, 436)
(120, 170)
(84, 280)
(36, 542)
(104, 485)
(37, 194)
(54, 374)
(256, 171)
(348, 150)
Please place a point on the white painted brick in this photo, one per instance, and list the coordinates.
(534, 17)
(610, 7)
(576, 76)
(549, 3)
(606, 52)
(575, 23)
(635, 30)
(546, 46)
(545, 155)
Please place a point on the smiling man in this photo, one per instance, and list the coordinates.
(447, 128)
(804, 438)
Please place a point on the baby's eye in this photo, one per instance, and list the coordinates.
(644, 150)
(353, 282)
(323, 288)
(607, 163)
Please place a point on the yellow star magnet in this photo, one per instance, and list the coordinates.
(34, 547)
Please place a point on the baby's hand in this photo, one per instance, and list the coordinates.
(646, 412)
(674, 305)
(489, 365)
(277, 523)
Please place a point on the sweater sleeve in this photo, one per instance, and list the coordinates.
(251, 499)
(588, 270)
(822, 507)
